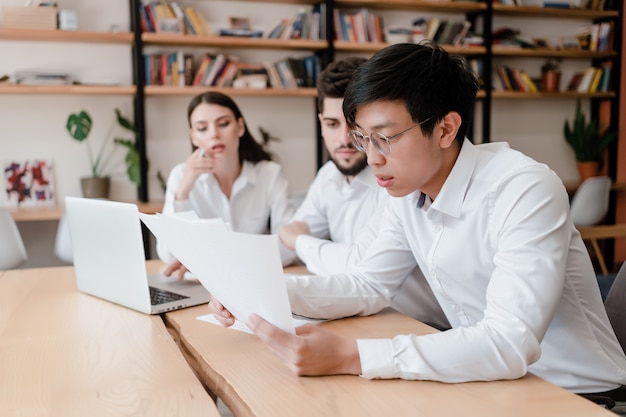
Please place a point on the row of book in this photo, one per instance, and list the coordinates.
(589, 80)
(308, 23)
(443, 31)
(563, 4)
(597, 37)
(362, 26)
(221, 70)
(512, 79)
(592, 79)
(161, 16)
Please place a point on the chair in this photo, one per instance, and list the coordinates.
(589, 207)
(62, 242)
(614, 306)
(12, 250)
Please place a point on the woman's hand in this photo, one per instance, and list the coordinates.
(173, 267)
(198, 163)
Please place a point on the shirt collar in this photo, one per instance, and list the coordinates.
(365, 177)
(450, 198)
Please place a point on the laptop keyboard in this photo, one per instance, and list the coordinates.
(160, 296)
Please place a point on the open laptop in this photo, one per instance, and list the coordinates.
(109, 259)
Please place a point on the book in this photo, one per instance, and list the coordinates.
(217, 66)
(528, 82)
(200, 72)
(179, 11)
(274, 77)
(595, 81)
(585, 82)
(197, 21)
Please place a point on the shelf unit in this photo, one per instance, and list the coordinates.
(7, 34)
(480, 13)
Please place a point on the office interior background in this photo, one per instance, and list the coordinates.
(32, 126)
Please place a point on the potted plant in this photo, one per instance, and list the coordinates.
(97, 185)
(550, 75)
(588, 140)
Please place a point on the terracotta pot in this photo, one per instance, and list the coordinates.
(588, 169)
(95, 187)
(550, 81)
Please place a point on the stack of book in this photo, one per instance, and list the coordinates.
(513, 79)
(159, 16)
(42, 77)
(308, 23)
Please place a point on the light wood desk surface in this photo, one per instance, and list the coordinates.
(44, 213)
(251, 381)
(64, 353)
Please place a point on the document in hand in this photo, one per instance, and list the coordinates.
(243, 271)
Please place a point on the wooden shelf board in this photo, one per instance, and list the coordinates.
(376, 46)
(65, 36)
(552, 12)
(47, 213)
(160, 90)
(230, 41)
(97, 90)
(545, 95)
(545, 53)
(426, 5)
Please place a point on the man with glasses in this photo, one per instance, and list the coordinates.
(340, 215)
(489, 227)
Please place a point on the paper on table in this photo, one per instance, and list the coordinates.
(242, 270)
(297, 321)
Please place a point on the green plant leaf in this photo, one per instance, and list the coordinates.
(133, 164)
(585, 138)
(79, 125)
(124, 122)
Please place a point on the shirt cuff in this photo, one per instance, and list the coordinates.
(376, 358)
(304, 244)
(182, 205)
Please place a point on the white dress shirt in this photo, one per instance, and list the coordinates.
(258, 204)
(509, 269)
(344, 219)
(336, 211)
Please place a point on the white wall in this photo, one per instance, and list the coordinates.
(33, 126)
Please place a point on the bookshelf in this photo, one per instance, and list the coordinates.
(483, 15)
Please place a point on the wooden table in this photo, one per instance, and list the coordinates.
(251, 381)
(64, 353)
(43, 213)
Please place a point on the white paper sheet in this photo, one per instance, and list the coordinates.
(297, 321)
(243, 271)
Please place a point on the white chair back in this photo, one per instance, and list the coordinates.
(63, 242)
(12, 250)
(590, 203)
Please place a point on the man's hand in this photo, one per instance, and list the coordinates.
(173, 267)
(311, 351)
(220, 312)
(289, 232)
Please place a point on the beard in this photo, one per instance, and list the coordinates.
(351, 170)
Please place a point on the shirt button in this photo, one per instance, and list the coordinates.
(438, 229)
(456, 308)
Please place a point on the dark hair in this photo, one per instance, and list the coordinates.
(249, 148)
(430, 82)
(332, 82)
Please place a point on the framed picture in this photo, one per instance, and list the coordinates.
(239, 23)
(29, 183)
(570, 43)
(170, 24)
